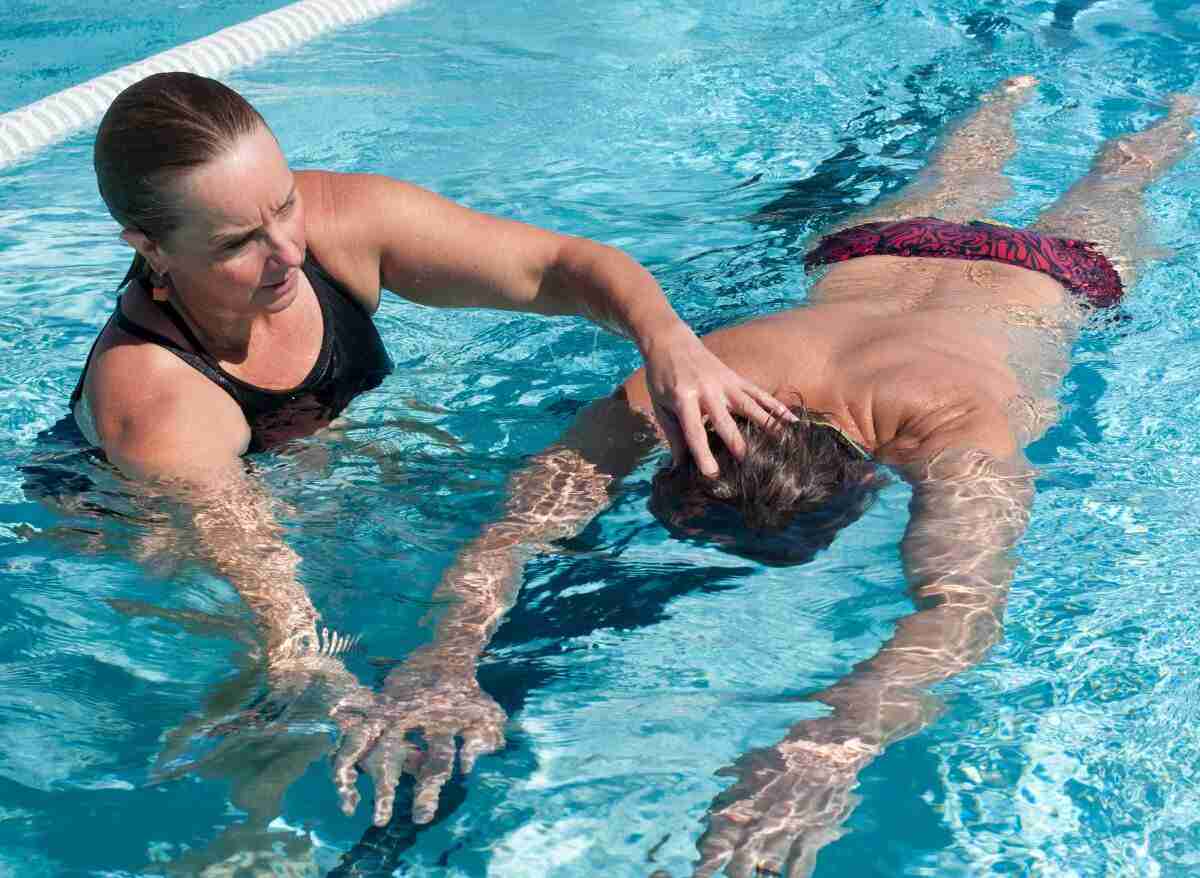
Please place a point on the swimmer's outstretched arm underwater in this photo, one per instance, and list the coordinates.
(787, 801)
(929, 391)
(435, 690)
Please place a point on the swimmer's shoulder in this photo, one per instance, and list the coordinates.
(145, 403)
(778, 352)
(917, 417)
(612, 434)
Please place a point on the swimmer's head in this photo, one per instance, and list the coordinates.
(797, 486)
(157, 130)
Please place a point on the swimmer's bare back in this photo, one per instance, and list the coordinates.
(912, 355)
(909, 355)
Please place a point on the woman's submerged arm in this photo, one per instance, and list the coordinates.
(181, 439)
(968, 511)
(233, 523)
(435, 252)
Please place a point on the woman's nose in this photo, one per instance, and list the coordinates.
(285, 250)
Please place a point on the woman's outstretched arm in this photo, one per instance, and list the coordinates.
(435, 252)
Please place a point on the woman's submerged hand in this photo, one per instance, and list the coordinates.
(375, 729)
(689, 385)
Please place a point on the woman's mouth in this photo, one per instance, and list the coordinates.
(280, 286)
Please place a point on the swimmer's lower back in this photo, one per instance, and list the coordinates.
(907, 283)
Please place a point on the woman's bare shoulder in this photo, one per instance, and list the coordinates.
(130, 382)
(338, 211)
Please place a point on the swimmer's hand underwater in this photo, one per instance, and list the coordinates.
(440, 706)
(787, 802)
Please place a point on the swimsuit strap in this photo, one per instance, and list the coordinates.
(139, 331)
(198, 359)
(186, 331)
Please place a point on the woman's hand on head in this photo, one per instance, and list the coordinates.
(689, 386)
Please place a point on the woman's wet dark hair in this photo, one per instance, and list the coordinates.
(797, 486)
(158, 128)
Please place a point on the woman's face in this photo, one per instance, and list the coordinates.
(240, 245)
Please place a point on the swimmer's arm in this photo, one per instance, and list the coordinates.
(552, 498)
(969, 509)
(789, 800)
(435, 692)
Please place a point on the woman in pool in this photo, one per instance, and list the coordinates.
(246, 321)
(246, 316)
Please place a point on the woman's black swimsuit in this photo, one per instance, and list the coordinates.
(352, 360)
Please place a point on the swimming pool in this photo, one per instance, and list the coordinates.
(634, 666)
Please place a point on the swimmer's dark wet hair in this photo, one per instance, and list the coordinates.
(160, 127)
(791, 471)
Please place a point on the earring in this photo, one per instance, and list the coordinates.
(159, 286)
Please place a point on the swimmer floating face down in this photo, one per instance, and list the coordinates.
(924, 380)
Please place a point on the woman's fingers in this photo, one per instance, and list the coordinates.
(355, 744)
(685, 431)
(691, 423)
(723, 426)
(669, 424)
(688, 383)
(479, 741)
(432, 776)
(768, 401)
(764, 409)
(745, 405)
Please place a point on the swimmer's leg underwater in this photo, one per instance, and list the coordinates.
(964, 178)
(1108, 205)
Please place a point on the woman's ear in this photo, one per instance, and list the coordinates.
(159, 280)
(142, 243)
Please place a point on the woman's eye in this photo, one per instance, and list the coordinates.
(234, 246)
(287, 206)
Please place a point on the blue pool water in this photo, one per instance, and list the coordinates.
(45, 48)
(634, 666)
